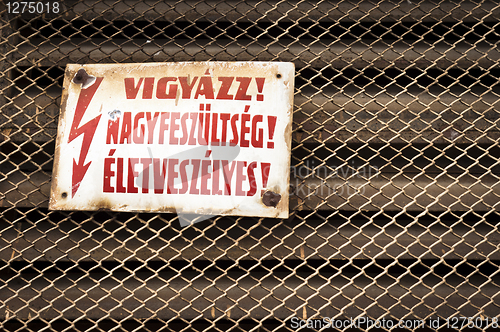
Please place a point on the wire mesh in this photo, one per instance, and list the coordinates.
(394, 182)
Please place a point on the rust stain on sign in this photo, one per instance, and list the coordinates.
(198, 137)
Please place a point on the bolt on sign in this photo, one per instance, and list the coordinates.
(208, 138)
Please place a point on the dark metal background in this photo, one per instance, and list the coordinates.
(395, 180)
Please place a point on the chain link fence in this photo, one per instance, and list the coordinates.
(394, 183)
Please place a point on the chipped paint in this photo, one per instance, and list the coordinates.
(114, 114)
(86, 80)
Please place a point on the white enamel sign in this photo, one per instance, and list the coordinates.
(210, 138)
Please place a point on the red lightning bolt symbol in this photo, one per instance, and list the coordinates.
(88, 131)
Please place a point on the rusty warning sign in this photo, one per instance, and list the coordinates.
(209, 138)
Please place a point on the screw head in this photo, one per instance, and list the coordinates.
(271, 198)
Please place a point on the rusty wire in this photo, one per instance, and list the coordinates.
(395, 171)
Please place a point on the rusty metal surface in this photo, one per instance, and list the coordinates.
(394, 179)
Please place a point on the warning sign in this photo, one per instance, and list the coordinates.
(210, 138)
